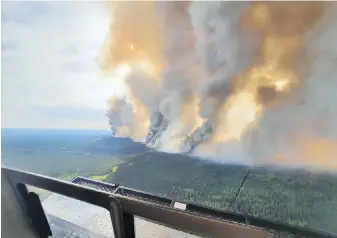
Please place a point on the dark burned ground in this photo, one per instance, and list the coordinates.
(295, 197)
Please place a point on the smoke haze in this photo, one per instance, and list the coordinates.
(247, 82)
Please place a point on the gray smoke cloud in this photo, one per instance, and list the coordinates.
(235, 81)
(303, 129)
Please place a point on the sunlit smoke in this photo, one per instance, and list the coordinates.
(234, 81)
(239, 112)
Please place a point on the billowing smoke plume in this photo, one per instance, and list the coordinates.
(247, 82)
(302, 128)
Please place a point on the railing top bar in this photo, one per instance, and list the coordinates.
(89, 195)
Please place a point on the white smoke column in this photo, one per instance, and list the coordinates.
(144, 93)
(121, 117)
(134, 39)
(181, 76)
(226, 50)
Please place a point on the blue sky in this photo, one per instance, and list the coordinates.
(49, 74)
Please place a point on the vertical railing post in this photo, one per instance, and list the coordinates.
(116, 215)
(122, 222)
(34, 210)
(129, 225)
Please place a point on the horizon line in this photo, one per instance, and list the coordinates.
(40, 128)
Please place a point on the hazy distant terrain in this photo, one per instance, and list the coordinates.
(59, 153)
(295, 197)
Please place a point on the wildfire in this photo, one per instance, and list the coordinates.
(242, 111)
(278, 65)
(280, 47)
(238, 113)
(281, 85)
(148, 67)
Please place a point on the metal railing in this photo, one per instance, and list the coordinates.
(124, 203)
